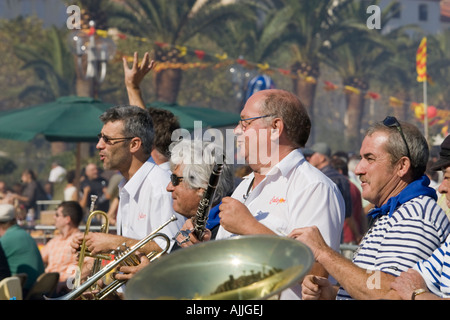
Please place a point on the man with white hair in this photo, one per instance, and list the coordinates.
(192, 163)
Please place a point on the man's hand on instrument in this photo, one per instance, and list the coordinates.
(186, 237)
(77, 240)
(98, 242)
(127, 272)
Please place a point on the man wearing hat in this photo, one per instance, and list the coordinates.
(430, 279)
(21, 251)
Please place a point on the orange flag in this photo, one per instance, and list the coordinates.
(421, 61)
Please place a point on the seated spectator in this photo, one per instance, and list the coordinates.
(57, 253)
(20, 248)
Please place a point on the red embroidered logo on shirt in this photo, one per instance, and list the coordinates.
(277, 200)
(142, 216)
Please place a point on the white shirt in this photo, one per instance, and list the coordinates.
(165, 166)
(145, 205)
(294, 194)
(57, 174)
(436, 270)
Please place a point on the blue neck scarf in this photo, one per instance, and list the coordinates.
(417, 188)
(213, 217)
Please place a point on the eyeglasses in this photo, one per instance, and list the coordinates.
(393, 122)
(244, 123)
(175, 179)
(109, 140)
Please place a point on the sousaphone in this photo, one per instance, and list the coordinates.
(239, 268)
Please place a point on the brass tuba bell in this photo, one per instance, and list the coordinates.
(238, 268)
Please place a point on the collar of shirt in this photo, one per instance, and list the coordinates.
(287, 163)
(132, 186)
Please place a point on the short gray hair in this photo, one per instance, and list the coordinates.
(137, 122)
(417, 144)
(199, 158)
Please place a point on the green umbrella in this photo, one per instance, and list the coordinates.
(67, 119)
(210, 118)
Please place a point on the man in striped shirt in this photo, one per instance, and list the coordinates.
(407, 224)
(430, 279)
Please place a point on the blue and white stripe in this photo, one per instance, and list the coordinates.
(436, 270)
(394, 244)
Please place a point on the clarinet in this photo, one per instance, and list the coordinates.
(201, 217)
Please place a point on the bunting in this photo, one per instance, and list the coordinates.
(217, 60)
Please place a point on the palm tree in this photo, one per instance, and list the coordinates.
(51, 62)
(259, 38)
(357, 53)
(398, 75)
(311, 26)
(171, 24)
(14, 78)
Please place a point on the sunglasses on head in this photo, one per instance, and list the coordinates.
(393, 122)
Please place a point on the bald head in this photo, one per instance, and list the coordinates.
(290, 109)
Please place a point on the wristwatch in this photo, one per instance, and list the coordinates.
(417, 292)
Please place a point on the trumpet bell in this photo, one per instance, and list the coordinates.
(239, 268)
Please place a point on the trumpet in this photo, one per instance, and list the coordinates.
(131, 261)
(83, 252)
(114, 264)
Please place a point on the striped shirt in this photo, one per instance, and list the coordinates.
(436, 270)
(394, 244)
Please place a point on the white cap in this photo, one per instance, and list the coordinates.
(7, 212)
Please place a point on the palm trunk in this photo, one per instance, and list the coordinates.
(168, 83)
(353, 118)
(306, 91)
(304, 86)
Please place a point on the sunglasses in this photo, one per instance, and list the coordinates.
(109, 140)
(175, 179)
(393, 122)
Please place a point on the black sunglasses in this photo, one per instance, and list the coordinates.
(393, 122)
(175, 179)
(109, 140)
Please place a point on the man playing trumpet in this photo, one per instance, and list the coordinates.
(125, 144)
